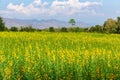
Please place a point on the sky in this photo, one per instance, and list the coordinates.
(88, 11)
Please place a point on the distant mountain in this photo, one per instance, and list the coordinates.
(40, 23)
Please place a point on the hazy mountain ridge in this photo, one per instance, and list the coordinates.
(40, 23)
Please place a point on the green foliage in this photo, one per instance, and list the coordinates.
(28, 29)
(86, 29)
(72, 21)
(1, 78)
(75, 29)
(51, 29)
(45, 30)
(96, 28)
(2, 25)
(110, 26)
(118, 25)
(118, 19)
(64, 29)
(14, 29)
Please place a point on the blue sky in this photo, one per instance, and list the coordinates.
(89, 11)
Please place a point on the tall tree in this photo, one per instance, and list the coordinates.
(118, 19)
(118, 25)
(110, 26)
(51, 29)
(2, 25)
(72, 21)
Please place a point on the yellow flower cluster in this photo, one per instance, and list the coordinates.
(55, 56)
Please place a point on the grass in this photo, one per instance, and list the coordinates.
(59, 56)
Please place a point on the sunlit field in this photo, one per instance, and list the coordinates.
(59, 56)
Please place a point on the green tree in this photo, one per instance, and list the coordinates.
(110, 26)
(64, 29)
(28, 29)
(96, 28)
(2, 25)
(118, 25)
(73, 29)
(72, 21)
(13, 29)
(77, 29)
(51, 29)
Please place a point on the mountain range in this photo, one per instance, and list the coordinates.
(40, 24)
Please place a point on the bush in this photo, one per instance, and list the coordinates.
(14, 29)
(28, 29)
(64, 29)
(51, 29)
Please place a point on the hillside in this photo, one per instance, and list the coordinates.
(40, 23)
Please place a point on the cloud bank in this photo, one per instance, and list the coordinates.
(63, 7)
(56, 8)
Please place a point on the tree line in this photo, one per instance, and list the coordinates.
(109, 26)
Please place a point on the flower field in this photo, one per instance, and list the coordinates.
(59, 56)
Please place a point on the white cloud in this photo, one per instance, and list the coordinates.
(39, 3)
(73, 3)
(37, 7)
(17, 8)
(74, 6)
(67, 8)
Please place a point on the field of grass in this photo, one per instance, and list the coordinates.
(59, 56)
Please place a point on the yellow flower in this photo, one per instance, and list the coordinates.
(87, 54)
(54, 59)
(2, 58)
(108, 63)
(116, 67)
(10, 63)
(7, 72)
(1, 52)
